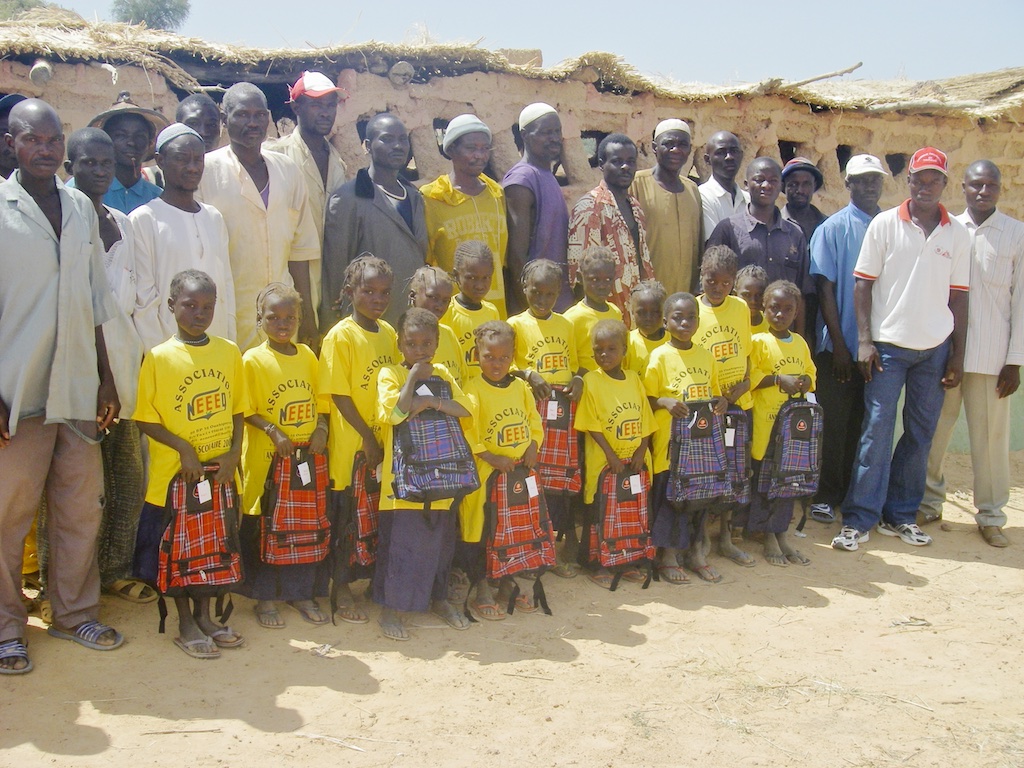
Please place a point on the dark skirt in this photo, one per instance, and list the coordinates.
(271, 582)
(670, 526)
(767, 515)
(414, 557)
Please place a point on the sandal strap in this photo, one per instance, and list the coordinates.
(90, 631)
(13, 649)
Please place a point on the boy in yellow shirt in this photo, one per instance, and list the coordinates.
(646, 305)
(597, 273)
(469, 308)
(750, 284)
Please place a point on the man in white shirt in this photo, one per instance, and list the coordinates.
(994, 353)
(720, 196)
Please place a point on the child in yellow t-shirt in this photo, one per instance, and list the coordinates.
(597, 274)
(284, 411)
(351, 357)
(508, 432)
(781, 366)
(678, 373)
(431, 289)
(191, 404)
(750, 284)
(616, 418)
(469, 309)
(417, 541)
(545, 355)
(646, 305)
(725, 333)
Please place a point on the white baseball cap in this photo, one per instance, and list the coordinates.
(858, 165)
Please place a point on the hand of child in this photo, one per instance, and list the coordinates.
(530, 456)
(575, 389)
(615, 464)
(791, 385)
(373, 452)
(420, 403)
(737, 390)
(421, 371)
(677, 408)
(318, 442)
(500, 463)
(719, 405)
(636, 461)
(227, 465)
(541, 389)
(282, 445)
(191, 467)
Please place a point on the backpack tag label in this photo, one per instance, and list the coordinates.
(424, 391)
(552, 414)
(203, 492)
(730, 437)
(531, 487)
(635, 485)
(304, 473)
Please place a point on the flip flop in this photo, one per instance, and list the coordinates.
(672, 574)
(524, 604)
(394, 630)
(348, 612)
(191, 648)
(779, 560)
(798, 558)
(225, 632)
(266, 619)
(603, 580)
(132, 590)
(706, 573)
(15, 649)
(634, 575)
(494, 611)
(452, 617)
(46, 611)
(310, 617)
(741, 558)
(566, 570)
(87, 634)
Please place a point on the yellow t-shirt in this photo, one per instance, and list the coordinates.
(350, 359)
(389, 386)
(724, 331)
(194, 392)
(617, 409)
(639, 350)
(546, 346)
(283, 390)
(772, 356)
(506, 421)
(449, 354)
(683, 374)
(464, 321)
(583, 319)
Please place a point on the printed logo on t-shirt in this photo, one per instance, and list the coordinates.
(512, 435)
(550, 362)
(629, 430)
(206, 405)
(297, 413)
(724, 350)
(940, 251)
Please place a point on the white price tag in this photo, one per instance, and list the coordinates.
(730, 437)
(304, 475)
(378, 473)
(552, 410)
(634, 484)
(203, 491)
(424, 390)
(811, 398)
(531, 487)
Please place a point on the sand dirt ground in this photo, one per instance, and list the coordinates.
(889, 656)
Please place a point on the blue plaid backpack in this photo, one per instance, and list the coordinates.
(431, 458)
(699, 469)
(792, 464)
(737, 453)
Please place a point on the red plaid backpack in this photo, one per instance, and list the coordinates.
(200, 547)
(698, 467)
(294, 527)
(431, 458)
(737, 453)
(558, 462)
(365, 506)
(791, 466)
(621, 533)
(519, 538)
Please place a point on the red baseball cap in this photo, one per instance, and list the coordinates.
(315, 85)
(929, 159)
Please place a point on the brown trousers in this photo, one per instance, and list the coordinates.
(51, 457)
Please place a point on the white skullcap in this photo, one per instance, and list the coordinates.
(672, 124)
(534, 111)
(460, 126)
(173, 131)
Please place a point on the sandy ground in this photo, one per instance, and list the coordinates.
(889, 656)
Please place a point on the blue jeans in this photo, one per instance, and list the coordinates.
(885, 485)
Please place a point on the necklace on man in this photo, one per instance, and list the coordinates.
(392, 195)
(194, 343)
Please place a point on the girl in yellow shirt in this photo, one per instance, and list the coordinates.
(750, 285)
(431, 289)
(646, 305)
(597, 274)
(469, 309)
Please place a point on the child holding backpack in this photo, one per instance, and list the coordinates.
(616, 418)
(191, 403)
(431, 288)
(284, 413)
(781, 368)
(417, 538)
(351, 356)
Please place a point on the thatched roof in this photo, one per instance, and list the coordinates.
(189, 62)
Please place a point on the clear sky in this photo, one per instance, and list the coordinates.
(714, 43)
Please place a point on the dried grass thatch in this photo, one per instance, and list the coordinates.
(185, 62)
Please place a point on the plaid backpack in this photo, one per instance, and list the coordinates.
(294, 527)
(558, 462)
(792, 464)
(621, 533)
(365, 506)
(431, 458)
(737, 454)
(698, 467)
(519, 538)
(200, 545)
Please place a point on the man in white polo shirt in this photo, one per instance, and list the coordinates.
(910, 298)
(995, 351)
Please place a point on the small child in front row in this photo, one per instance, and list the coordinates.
(284, 411)
(469, 309)
(431, 289)
(417, 540)
(750, 284)
(781, 366)
(646, 305)
(616, 418)
(191, 403)
(597, 275)
(351, 357)
(545, 355)
(678, 373)
(508, 432)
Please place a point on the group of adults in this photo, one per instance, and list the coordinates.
(86, 276)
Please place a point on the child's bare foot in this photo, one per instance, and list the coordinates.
(602, 577)
(191, 639)
(668, 568)
(267, 615)
(729, 550)
(772, 552)
(458, 587)
(223, 637)
(310, 611)
(792, 555)
(391, 625)
(484, 605)
(524, 600)
(452, 616)
(694, 561)
(568, 558)
(347, 609)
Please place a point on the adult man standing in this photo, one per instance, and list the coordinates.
(912, 274)
(261, 194)
(57, 393)
(608, 215)
(538, 220)
(721, 197)
(672, 206)
(800, 180)
(314, 99)
(201, 113)
(840, 386)
(8, 162)
(995, 351)
(377, 212)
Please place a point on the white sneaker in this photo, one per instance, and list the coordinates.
(849, 539)
(909, 532)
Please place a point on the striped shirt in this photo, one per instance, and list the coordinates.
(995, 327)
